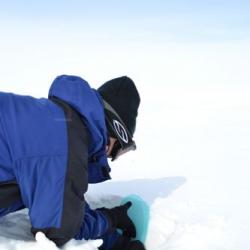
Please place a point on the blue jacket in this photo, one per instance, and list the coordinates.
(50, 149)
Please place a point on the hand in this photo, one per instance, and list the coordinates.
(124, 243)
(119, 219)
(136, 245)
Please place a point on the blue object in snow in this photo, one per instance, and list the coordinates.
(139, 213)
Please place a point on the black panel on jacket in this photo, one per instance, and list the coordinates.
(9, 193)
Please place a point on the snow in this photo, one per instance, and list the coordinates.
(192, 169)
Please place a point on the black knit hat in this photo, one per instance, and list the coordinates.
(121, 94)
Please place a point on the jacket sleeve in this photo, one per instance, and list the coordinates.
(57, 203)
(56, 207)
(94, 225)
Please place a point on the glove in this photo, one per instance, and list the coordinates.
(136, 245)
(124, 243)
(119, 218)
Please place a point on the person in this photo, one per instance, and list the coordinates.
(51, 148)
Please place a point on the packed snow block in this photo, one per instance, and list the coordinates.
(139, 213)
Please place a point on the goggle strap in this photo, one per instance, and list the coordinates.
(108, 107)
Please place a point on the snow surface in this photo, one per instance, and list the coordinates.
(193, 175)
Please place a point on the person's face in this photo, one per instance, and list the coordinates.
(110, 146)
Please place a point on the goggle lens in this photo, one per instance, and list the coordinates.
(118, 150)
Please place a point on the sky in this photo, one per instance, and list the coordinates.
(176, 43)
(170, 20)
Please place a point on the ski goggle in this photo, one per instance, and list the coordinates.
(118, 150)
(124, 141)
